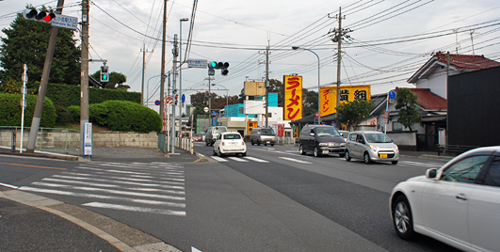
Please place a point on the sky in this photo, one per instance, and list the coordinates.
(384, 44)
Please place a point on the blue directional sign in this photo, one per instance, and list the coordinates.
(183, 98)
(213, 113)
(65, 22)
(214, 121)
(392, 95)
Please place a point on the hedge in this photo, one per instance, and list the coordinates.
(69, 95)
(121, 116)
(11, 111)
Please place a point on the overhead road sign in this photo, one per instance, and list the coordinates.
(197, 63)
(65, 22)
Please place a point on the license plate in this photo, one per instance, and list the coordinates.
(383, 155)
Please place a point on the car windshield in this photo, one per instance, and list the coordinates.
(218, 130)
(377, 138)
(267, 132)
(232, 136)
(326, 131)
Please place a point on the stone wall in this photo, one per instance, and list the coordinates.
(62, 138)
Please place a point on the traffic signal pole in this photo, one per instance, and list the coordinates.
(84, 80)
(37, 115)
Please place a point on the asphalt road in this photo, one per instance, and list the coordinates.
(271, 200)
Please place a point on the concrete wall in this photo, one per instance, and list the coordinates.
(404, 139)
(61, 138)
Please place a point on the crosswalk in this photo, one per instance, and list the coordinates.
(157, 188)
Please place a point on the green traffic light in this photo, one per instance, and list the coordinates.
(213, 64)
(104, 77)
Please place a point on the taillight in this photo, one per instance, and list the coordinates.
(222, 143)
(242, 143)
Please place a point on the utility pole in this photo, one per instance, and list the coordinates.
(37, 115)
(339, 35)
(144, 51)
(84, 80)
(163, 51)
(174, 91)
(339, 59)
(267, 84)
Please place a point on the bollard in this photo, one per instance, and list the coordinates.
(13, 141)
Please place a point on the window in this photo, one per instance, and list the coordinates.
(352, 137)
(397, 126)
(232, 136)
(465, 170)
(493, 175)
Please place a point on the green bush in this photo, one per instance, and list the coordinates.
(63, 116)
(75, 113)
(69, 95)
(121, 116)
(11, 111)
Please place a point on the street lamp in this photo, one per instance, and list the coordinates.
(180, 74)
(319, 83)
(227, 98)
(147, 101)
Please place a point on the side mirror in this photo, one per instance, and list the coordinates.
(311, 134)
(431, 173)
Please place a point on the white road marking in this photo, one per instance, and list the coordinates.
(257, 160)
(238, 159)
(101, 185)
(295, 160)
(219, 159)
(98, 196)
(134, 209)
(430, 165)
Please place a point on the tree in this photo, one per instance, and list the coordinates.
(310, 102)
(406, 102)
(26, 42)
(351, 113)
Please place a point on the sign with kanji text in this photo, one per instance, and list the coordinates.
(65, 22)
(328, 96)
(292, 89)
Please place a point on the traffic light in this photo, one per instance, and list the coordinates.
(211, 70)
(104, 74)
(176, 99)
(223, 66)
(42, 16)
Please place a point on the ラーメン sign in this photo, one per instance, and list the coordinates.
(328, 96)
(292, 89)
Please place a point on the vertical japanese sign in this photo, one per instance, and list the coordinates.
(292, 88)
(328, 96)
(87, 140)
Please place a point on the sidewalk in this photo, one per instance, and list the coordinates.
(34, 223)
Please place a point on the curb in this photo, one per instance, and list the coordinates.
(61, 209)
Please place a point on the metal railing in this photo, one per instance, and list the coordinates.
(59, 140)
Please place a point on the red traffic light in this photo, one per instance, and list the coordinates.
(49, 17)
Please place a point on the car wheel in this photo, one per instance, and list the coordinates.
(395, 162)
(258, 142)
(316, 152)
(265, 144)
(243, 154)
(272, 144)
(366, 158)
(215, 153)
(341, 154)
(220, 154)
(301, 150)
(402, 218)
(252, 142)
(347, 156)
(206, 143)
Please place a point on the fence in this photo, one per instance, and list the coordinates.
(48, 139)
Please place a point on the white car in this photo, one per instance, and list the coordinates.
(229, 143)
(458, 204)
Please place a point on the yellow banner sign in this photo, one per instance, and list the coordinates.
(292, 88)
(328, 96)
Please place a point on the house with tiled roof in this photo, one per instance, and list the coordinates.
(430, 82)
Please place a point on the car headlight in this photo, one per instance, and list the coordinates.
(396, 149)
(342, 145)
(323, 144)
(374, 149)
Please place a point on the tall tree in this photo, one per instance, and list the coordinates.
(406, 102)
(310, 102)
(351, 113)
(26, 42)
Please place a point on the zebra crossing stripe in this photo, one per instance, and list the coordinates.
(219, 159)
(238, 159)
(135, 209)
(295, 160)
(257, 160)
